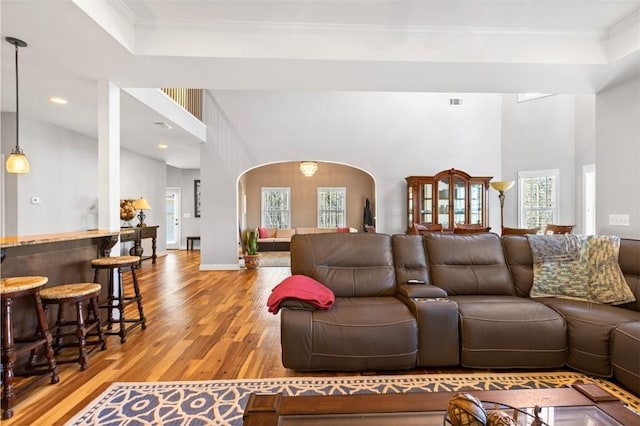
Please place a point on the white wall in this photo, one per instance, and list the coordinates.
(63, 175)
(539, 135)
(618, 158)
(585, 152)
(142, 176)
(389, 135)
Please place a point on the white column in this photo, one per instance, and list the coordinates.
(109, 157)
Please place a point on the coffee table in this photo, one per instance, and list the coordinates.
(559, 406)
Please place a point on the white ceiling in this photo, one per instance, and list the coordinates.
(506, 46)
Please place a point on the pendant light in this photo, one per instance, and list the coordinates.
(308, 168)
(17, 161)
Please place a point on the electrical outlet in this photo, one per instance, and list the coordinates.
(619, 219)
(36, 200)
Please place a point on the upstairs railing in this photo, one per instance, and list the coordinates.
(189, 99)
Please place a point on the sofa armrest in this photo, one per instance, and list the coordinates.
(297, 304)
(438, 328)
(412, 291)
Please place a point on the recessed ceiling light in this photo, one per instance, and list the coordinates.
(58, 100)
(163, 146)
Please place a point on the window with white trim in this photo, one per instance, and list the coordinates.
(275, 207)
(332, 207)
(538, 198)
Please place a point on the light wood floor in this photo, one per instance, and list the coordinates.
(200, 325)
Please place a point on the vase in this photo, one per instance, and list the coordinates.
(251, 261)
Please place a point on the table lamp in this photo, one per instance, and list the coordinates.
(141, 204)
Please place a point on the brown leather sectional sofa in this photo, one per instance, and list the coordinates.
(473, 309)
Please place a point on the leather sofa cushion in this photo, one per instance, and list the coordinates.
(350, 264)
(629, 261)
(518, 255)
(409, 258)
(625, 355)
(589, 328)
(356, 334)
(630, 256)
(510, 332)
(465, 264)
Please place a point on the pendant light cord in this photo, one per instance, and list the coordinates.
(17, 106)
(18, 44)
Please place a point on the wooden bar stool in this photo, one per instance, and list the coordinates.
(12, 347)
(117, 301)
(83, 327)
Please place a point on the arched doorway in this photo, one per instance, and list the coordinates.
(358, 184)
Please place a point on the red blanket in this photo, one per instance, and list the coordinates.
(302, 288)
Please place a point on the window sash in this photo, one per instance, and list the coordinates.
(332, 210)
(275, 207)
(538, 198)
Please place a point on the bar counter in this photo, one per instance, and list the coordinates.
(28, 240)
(64, 258)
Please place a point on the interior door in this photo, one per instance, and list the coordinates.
(172, 207)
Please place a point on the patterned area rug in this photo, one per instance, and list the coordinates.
(222, 402)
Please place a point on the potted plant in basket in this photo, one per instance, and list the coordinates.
(251, 256)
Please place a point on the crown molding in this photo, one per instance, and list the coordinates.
(291, 27)
(123, 10)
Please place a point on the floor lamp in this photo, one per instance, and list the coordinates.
(502, 186)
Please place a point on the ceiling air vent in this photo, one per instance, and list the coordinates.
(455, 101)
(163, 125)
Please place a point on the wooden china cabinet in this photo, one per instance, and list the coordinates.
(447, 198)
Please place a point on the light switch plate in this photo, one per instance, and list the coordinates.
(619, 219)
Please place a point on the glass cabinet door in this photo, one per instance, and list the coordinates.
(459, 200)
(476, 207)
(427, 203)
(443, 202)
(410, 204)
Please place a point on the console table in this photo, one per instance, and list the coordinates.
(137, 235)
